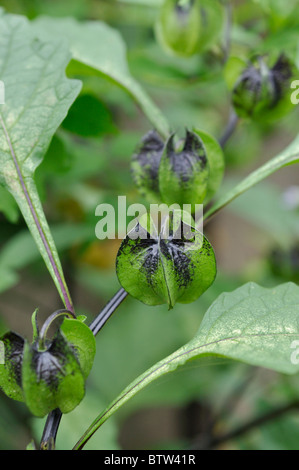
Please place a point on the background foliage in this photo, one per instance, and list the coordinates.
(88, 162)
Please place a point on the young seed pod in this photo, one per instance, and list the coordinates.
(11, 369)
(52, 378)
(54, 371)
(48, 373)
(187, 27)
(145, 165)
(261, 89)
(184, 173)
(173, 264)
(179, 27)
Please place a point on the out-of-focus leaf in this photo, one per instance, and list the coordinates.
(89, 117)
(288, 156)
(88, 44)
(263, 205)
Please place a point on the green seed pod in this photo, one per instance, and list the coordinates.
(188, 174)
(184, 173)
(185, 27)
(145, 165)
(48, 374)
(11, 369)
(179, 26)
(261, 91)
(175, 264)
(51, 378)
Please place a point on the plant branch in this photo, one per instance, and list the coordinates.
(53, 420)
(247, 427)
(50, 430)
(230, 128)
(98, 323)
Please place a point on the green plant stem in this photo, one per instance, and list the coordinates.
(43, 333)
(53, 420)
(230, 128)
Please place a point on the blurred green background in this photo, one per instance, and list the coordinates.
(255, 238)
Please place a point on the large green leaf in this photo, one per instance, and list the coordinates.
(253, 324)
(37, 98)
(99, 46)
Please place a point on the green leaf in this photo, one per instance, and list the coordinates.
(176, 265)
(88, 44)
(252, 324)
(89, 117)
(288, 156)
(37, 99)
(81, 338)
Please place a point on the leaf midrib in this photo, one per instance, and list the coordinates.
(34, 214)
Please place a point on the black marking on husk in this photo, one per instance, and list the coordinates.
(49, 365)
(183, 163)
(14, 347)
(250, 82)
(183, 10)
(151, 263)
(149, 156)
(174, 251)
(281, 74)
